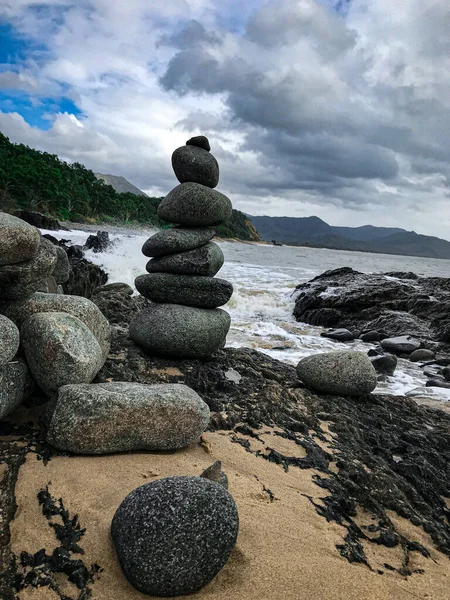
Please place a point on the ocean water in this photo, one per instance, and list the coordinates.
(264, 279)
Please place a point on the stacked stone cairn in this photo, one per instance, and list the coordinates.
(59, 342)
(184, 319)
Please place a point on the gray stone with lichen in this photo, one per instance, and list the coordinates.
(9, 340)
(206, 260)
(177, 239)
(19, 241)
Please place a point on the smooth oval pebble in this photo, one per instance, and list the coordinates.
(120, 416)
(173, 535)
(177, 239)
(195, 205)
(181, 331)
(192, 163)
(192, 290)
(206, 260)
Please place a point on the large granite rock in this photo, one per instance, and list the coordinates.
(404, 344)
(172, 536)
(60, 349)
(192, 290)
(9, 340)
(180, 331)
(22, 279)
(18, 240)
(61, 272)
(344, 372)
(177, 239)
(82, 308)
(121, 416)
(192, 163)
(193, 204)
(15, 386)
(206, 260)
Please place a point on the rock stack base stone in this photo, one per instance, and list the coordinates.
(185, 321)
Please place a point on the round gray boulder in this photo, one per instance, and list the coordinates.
(403, 344)
(196, 205)
(191, 290)
(79, 307)
(385, 364)
(172, 536)
(9, 340)
(180, 331)
(177, 239)
(206, 260)
(422, 355)
(23, 279)
(60, 349)
(341, 373)
(120, 416)
(61, 272)
(19, 241)
(192, 163)
(15, 386)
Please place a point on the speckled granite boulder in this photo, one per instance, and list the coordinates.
(15, 386)
(180, 331)
(122, 416)
(191, 290)
(196, 205)
(23, 279)
(19, 241)
(9, 340)
(206, 260)
(172, 536)
(342, 373)
(60, 349)
(82, 308)
(192, 163)
(177, 239)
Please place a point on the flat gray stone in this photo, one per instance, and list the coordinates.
(23, 279)
(60, 350)
(191, 290)
(173, 535)
(82, 308)
(180, 331)
(341, 373)
(19, 241)
(192, 163)
(196, 205)
(61, 272)
(15, 386)
(9, 340)
(177, 239)
(120, 416)
(206, 260)
(403, 344)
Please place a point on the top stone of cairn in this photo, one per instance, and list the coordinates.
(193, 163)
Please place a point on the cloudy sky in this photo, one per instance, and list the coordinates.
(335, 108)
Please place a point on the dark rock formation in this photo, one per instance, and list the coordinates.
(40, 221)
(98, 243)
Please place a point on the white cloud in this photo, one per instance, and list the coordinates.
(308, 112)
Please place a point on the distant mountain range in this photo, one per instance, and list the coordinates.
(312, 231)
(120, 184)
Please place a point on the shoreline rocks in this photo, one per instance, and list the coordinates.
(19, 241)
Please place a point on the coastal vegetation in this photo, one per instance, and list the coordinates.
(39, 181)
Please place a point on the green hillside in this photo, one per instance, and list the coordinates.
(39, 181)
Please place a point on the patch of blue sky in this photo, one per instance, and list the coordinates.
(37, 111)
(15, 49)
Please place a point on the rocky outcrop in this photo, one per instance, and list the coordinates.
(392, 304)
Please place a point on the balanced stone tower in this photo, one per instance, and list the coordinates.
(184, 319)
